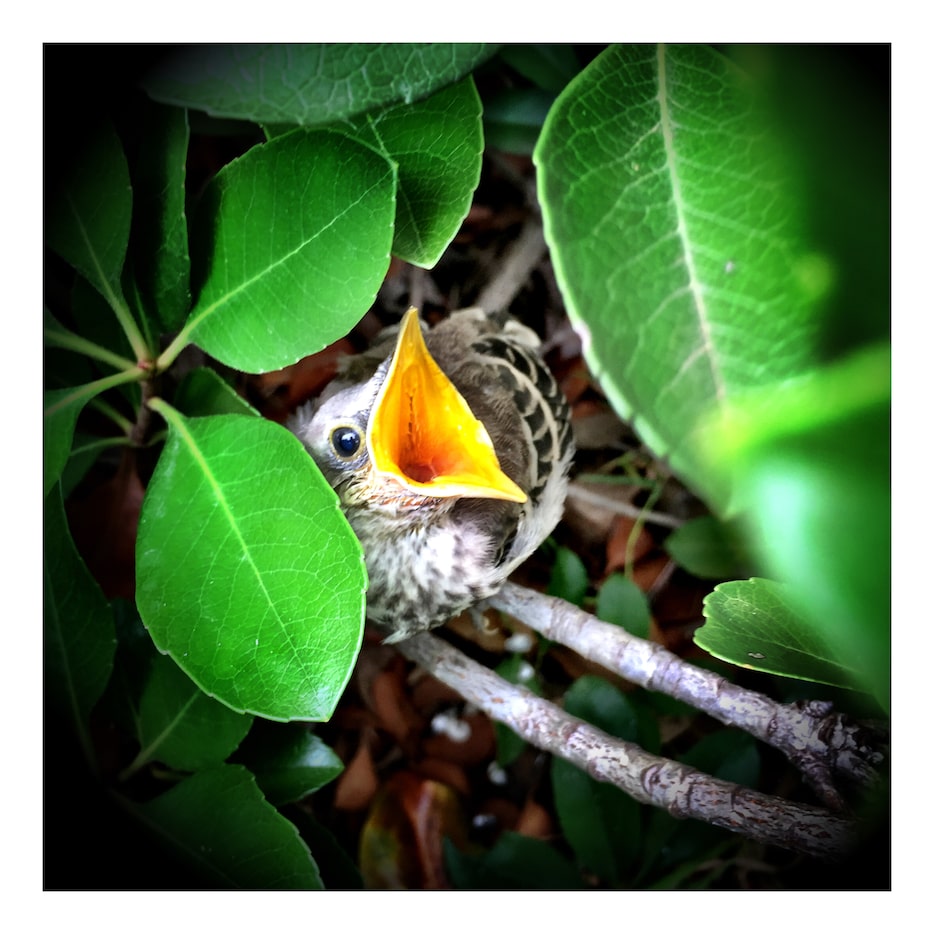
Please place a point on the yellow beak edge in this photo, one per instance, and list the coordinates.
(423, 434)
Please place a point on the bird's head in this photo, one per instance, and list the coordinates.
(406, 436)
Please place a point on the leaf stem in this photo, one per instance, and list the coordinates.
(87, 390)
(60, 337)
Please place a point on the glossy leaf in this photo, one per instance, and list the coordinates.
(160, 260)
(219, 824)
(89, 205)
(550, 66)
(309, 84)
(180, 726)
(202, 391)
(675, 232)
(755, 624)
(248, 575)
(810, 466)
(437, 145)
(289, 761)
(297, 234)
(80, 641)
(601, 823)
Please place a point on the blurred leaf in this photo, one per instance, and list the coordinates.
(247, 572)
(437, 147)
(159, 246)
(513, 118)
(755, 624)
(621, 602)
(218, 823)
(810, 464)
(80, 641)
(602, 824)
(203, 392)
(180, 726)
(89, 202)
(509, 744)
(401, 842)
(288, 760)
(674, 226)
(706, 548)
(338, 869)
(309, 84)
(514, 862)
(549, 66)
(569, 579)
(297, 233)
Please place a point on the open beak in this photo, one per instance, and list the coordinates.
(423, 434)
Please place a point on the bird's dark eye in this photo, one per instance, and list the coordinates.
(345, 441)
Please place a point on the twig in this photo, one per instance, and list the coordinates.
(818, 741)
(620, 508)
(680, 790)
(524, 254)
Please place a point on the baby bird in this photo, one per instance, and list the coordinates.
(450, 453)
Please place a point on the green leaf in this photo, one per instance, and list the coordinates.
(514, 862)
(675, 231)
(203, 392)
(549, 66)
(80, 641)
(309, 84)
(810, 466)
(89, 205)
(602, 824)
(706, 548)
(569, 579)
(622, 603)
(159, 248)
(248, 574)
(288, 760)
(437, 146)
(180, 726)
(513, 118)
(219, 824)
(298, 233)
(756, 624)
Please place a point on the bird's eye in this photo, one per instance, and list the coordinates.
(345, 441)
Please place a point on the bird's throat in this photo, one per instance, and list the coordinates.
(423, 434)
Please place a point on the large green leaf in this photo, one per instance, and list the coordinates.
(297, 234)
(677, 242)
(309, 84)
(437, 145)
(219, 824)
(80, 640)
(755, 624)
(180, 726)
(602, 824)
(248, 575)
(89, 202)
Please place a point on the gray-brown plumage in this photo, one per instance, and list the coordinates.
(429, 557)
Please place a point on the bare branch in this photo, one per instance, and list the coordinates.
(817, 740)
(524, 254)
(680, 790)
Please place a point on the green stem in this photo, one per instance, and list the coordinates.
(105, 408)
(99, 385)
(68, 341)
(181, 341)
